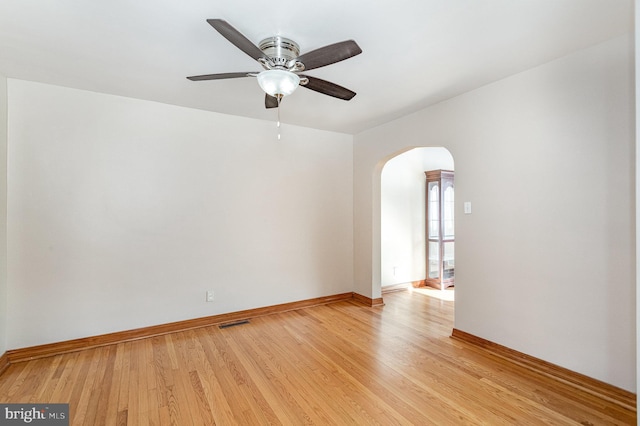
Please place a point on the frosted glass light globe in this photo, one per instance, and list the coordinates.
(278, 82)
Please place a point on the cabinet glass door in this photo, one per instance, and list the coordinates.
(433, 221)
(440, 230)
(447, 209)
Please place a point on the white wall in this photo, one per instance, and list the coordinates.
(402, 209)
(122, 213)
(3, 214)
(545, 264)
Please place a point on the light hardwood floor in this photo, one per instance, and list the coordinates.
(336, 364)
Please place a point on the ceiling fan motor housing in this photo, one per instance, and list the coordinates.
(282, 51)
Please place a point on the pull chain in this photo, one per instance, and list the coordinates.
(278, 123)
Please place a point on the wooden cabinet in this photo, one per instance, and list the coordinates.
(440, 228)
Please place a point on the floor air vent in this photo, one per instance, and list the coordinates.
(233, 324)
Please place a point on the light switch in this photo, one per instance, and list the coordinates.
(467, 207)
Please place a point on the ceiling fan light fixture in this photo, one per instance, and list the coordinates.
(278, 82)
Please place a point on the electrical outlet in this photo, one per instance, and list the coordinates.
(210, 296)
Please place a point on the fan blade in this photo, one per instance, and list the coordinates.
(329, 54)
(270, 101)
(220, 76)
(328, 88)
(236, 38)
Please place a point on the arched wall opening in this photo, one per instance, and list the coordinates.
(401, 211)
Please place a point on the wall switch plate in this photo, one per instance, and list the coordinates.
(467, 207)
(210, 296)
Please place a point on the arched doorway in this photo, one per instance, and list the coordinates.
(402, 215)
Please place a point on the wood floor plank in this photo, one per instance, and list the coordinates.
(58, 389)
(52, 373)
(222, 380)
(123, 396)
(339, 363)
(133, 409)
(143, 405)
(98, 398)
(109, 414)
(213, 392)
(76, 384)
(258, 407)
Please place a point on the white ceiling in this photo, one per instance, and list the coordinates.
(415, 52)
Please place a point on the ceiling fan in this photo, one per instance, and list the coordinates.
(280, 57)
